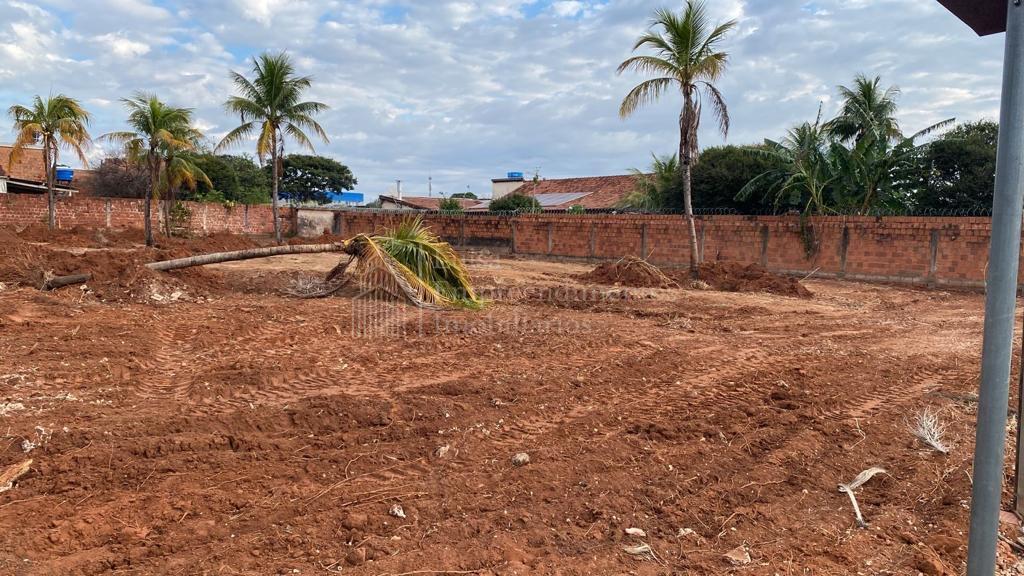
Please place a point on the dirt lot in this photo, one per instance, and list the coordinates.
(235, 430)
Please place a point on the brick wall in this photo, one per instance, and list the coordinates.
(915, 250)
(87, 211)
(29, 166)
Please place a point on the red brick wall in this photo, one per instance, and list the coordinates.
(24, 209)
(917, 250)
(28, 167)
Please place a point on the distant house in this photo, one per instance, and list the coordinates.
(421, 202)
(28, 174)
(591, 193)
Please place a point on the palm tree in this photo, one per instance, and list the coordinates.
(685, 57)
(866, 109)
(158, 130)
(270, 105)
(652, 189)
(54, 122)
(806, 169)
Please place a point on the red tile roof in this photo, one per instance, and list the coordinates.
(601, 191)
(426, 202)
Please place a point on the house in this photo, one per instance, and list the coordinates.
(591, 193)
(28, 174)
(422, 202)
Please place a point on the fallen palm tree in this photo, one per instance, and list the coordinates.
(408, 263)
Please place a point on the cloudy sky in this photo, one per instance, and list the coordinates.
(467, 90)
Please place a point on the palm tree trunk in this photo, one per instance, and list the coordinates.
(275, 177)
(686, 131)
(51, 198)
(154, 181)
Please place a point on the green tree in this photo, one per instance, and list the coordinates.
(959, 169)
(158, 130)
(271, 105)
(802, 169)
(450, 205)
(723, 171)
(514, 203)
(867, 110)
(686, 57)
(253, 182)
(655, 189)
(468, 195)
(223, 180)
(313, 178)
(54, 122)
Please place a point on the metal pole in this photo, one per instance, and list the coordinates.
(1000, 303)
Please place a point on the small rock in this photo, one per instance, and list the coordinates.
(442, 451)
(397, 511)
(355, 521)
(636, 532)
(521, 459)
(684, 532)
(356, 557)
(738, 556)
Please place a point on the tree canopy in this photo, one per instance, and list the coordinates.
(313, 178)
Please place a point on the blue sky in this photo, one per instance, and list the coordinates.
(467, 90)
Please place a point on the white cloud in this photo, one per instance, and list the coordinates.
(466, 89)
(122, 46)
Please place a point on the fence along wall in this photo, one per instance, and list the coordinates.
(931, 251)
(25, 209)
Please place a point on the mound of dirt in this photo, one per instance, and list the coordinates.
(630, 271)
(117, 274)
(735, 277)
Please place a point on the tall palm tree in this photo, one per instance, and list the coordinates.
(158, 130)
(686, 57)
(271, 105)
(866, 109)
(55, 122)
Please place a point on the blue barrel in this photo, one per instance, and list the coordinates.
(65, 174)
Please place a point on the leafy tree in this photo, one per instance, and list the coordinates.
(685, 58)
(313, 178)
(514, 203)
(253, 183)
(55, 122)
(724, 170)
(959, 169)
(158, 131)
(468, 195)
(450, 205)
(232, 179)
(271, 105)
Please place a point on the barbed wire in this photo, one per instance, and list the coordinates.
(700, 212)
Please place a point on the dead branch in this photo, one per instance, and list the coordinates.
(857, 483)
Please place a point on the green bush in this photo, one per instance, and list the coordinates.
(576, 209)
(450, 205)
(515, 203)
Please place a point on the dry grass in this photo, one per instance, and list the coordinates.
(930, 430)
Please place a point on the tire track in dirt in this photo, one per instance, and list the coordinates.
(888, 395)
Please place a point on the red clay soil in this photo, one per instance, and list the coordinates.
(630, 272)
(115, 258)
(254, 434)
(734, 277)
